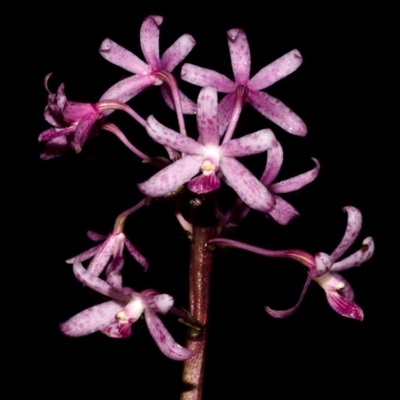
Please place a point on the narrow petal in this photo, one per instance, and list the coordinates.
(96, 237)
(128, 88)
(358, 258)
(283, 212)
(248, 145)
(87, 254)
(274, 163)
(277, 112)
(207, 116)
(97, 284)
(149, 40)
(275, 71)
(93, 319)
(101, 258)
(54, 148)
(167, 137)
(177, 52)
(206, 77)
(225, 109)
(171, 177)
(290, 311)
(344, 307)
(83, 129)
(297, 182)
(246, 185)
(54, 133)
(240, 55)
(116, 54)
(74, 111)
(52, 118)
(136, 255)
(188, 106)
(354, 223)
(164, 340)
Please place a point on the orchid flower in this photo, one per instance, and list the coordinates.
(323, 268)
(155, 72)
(208, 157)
(283, 212)
(112, 247)
(73, 122)
(248, 90)
(115, 317)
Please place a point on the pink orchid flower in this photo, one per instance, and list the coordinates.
(115, 317)
(155, 71)
(323, 268)
(72, 123)
(208, 157)
(248, 90)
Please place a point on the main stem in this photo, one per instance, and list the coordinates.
(204, 228)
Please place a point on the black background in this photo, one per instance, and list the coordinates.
(338, 91)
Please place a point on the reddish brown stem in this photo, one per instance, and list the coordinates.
(199, 298)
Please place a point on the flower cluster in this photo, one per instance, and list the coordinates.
(196, 165)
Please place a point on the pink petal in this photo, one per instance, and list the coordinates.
(206, 77)
(248, 145)
(358, 258)
(83, 129)
(136, 255)
(117, 55)
(274, 163)
(128, 88)
(149, 40)
(55, 147)
(277, 112)
(246, 185)
(52, 118)
(177, 52)
(167, 137)
(93, 319)
(283, 212)
(74, 111)
(96, 237)
(163, 303)
(275, 71)
(207, 116)
(297, 182)
(101, 258)
(54, 133)
(97, 284)
(188, 106)
(354, 222)
(171, 177)
(240, 55)
(164, 340)
(87, 254)
(344, 307)
(225, 109)
(290, 311)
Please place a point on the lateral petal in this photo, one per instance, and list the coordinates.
(283, 212)
(248, 145)
(225, 109)
(177, 52)
(354, 223)
(275, 71)
(188, 106)
(274, 163)
(277, 112)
